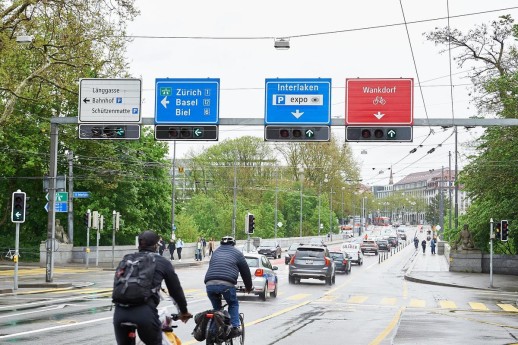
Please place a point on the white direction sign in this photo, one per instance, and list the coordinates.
(110, 100)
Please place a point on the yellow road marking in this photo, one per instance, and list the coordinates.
(508, 307)
(389, 328)
(447, 304)
(357, 299)
(405, 290)
(478, 306)
(417, 303)
(388, 301)
(299, 296)
(328, 298)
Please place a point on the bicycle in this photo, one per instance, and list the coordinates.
(213, 337)
(168, 336)
(10, 254)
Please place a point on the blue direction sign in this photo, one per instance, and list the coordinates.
(59, 207)
(188, 101)
(81, 195)
(300, 101)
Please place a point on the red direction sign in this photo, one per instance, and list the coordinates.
(379, 101)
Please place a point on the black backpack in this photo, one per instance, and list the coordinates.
(220, 327)
(133, 283)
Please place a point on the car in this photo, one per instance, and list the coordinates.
(354, 251)
(369, 246)
(291, 250)
(312, 262)
(382, 244)
(342, 261)
(264, 277)
(270, 248)
(401, 234)
(393, 241)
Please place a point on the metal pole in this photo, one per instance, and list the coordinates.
(456, 185)
(331, 211)
(441, 202)
(173, 182)
(70, 157)
(99, 228)
(51, 220)
(234, 211)
(87, 254)
(16, 255)
(449, 194)
(300, 222)
(491, 236)
(342, 222)
(319, 188)
(276, 203)
(114, 214)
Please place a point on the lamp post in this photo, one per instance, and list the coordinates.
(331, 211)
(276, 203)
(301, 171)
(342, 222)
(319, 189)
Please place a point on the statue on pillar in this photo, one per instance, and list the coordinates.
(465, 239)
(61, 235)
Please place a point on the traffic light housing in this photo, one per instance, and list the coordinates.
(186, 132)
(296, 133)
(88, 219)
(111, 131)
(18, 207)
(251, 223)
(504, 225)
(383, 134)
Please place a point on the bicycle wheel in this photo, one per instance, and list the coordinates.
(241, 339)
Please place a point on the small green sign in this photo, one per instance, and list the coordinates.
(166, 91)
(391, 133)
(309, 133)
(61, 196)
(198, 132)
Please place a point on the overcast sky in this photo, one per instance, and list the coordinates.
(358, 51)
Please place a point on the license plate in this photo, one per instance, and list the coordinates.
(309, 262)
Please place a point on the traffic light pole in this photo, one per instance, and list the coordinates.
(491, 237)
(51, 220)
(16, 255)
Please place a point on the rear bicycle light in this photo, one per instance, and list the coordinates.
(209, 315)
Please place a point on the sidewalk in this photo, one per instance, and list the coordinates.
(434, 269)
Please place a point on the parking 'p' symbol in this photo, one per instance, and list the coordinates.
(279, 99)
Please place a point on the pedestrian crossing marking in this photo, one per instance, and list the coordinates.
(417, 303)
(299, 296)
(508, 307)
(328, 298)
(478, 306)
(445, 304)
(357, 299)
(388, 301)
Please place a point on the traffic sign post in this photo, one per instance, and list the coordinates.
(298, 101)
(109, 131)
(186, 132)
(109, 100)
(379, 134)
(188, 101)
(297, 133)
(379, 102)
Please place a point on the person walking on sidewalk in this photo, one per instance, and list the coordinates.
(171, 246)
(423, 244)
(416, 242)
(432, 245)
(179, 247)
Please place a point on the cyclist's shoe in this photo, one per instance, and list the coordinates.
(235, 332)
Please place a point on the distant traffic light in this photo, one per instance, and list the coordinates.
(88, 219)
(296, 133)
(104, 131)
(504, 230)
(251, 223)
(366, 133)
(186, 132)
(18, 207)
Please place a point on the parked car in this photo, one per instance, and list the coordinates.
(270, 248)
(291, 250)
(382, 244)
(354, 251)
(312, 262)
(342, 262)
(264, 277)
(369, 246)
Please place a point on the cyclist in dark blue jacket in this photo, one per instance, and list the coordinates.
(225, 265)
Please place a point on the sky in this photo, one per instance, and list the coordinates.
(234, 41)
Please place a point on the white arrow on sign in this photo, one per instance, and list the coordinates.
(391, 133)
(18, 214)
(165, 102)
(297, 113)
(379, 115)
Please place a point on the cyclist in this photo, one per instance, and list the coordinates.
(146, 315)
(226, 263)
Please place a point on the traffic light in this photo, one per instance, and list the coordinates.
(18, 207)
(250, 223)
(392, 133)
(504, 230)
(498, 231)
(105, 131)
(88, 219)
(296, 133)
(186, 132)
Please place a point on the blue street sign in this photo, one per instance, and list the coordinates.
(59, 207)
(300, 101)
(81, 195)
(188, 101)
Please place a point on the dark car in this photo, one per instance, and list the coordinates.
(270, 248)
(312, 262)
(382, 245)
(342, 262)
(393, 241)
(291, 250)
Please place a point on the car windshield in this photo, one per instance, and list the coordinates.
(337, 256)
(306, 252)
(252, 262)
(268, 244)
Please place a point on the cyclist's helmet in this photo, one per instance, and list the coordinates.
(228, 240)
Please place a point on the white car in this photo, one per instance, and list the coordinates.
(354, 251)
(264, 277)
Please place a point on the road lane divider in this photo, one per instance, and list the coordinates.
(389, 328)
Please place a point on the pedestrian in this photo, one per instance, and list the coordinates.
(179, 247)
(423, 244)
(211, 246)
(171, 246)
(432, 245)
(204, 245)
(416, 242)
(161, 246)
(197, 253)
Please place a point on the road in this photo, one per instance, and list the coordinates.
(372, 305)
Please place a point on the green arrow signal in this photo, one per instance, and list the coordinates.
(309, 133)
(120, 132)
(198, 132)
(391, 134)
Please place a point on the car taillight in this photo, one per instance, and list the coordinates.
(344, 262)
(292, 260)
(328, 262)
(259, 272)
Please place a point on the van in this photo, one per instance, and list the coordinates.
(354, 251)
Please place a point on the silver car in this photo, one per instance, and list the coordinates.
(264, 277)
(312, 262)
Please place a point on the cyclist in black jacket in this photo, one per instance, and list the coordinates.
(146, 315)
(226, 263)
